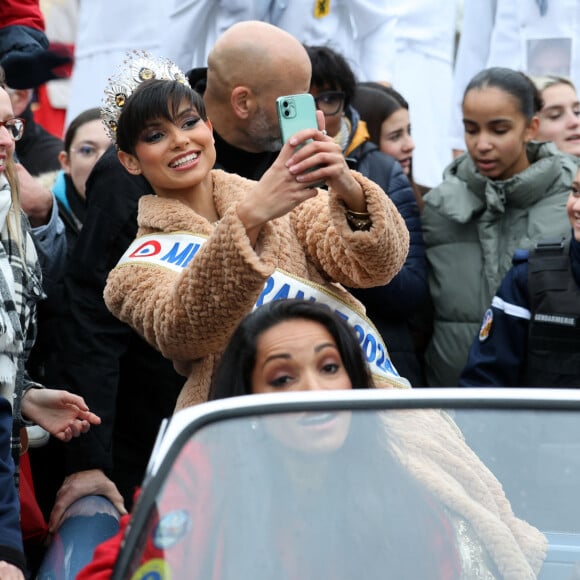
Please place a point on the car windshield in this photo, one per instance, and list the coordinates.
(369, 493)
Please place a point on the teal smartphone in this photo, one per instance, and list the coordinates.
(297, 112)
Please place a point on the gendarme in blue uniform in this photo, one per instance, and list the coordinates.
(514, 347)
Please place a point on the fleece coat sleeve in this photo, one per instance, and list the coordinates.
(359, 259)
(192, 314)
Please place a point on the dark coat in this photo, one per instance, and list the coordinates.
(391, 306)
(10, 536)
(123, 379)
(501, 353)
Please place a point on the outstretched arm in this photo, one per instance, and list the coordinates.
(61, 413)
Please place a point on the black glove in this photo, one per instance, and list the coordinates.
(30, 69)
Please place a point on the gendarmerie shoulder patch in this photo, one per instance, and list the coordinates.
(486, 325)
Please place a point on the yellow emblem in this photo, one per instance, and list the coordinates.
(155, 569)
(321, 8)
(486, 325)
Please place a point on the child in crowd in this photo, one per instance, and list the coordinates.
(386, 113)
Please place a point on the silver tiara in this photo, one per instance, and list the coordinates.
(138, 66)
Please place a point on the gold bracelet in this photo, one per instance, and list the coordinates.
(358, 221)
(358, 214)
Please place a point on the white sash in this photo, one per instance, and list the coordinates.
(174, 251)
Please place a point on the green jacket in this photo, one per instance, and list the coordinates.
(472, 225)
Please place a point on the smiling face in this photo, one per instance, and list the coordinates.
(88, 145)
(496, 132)
(396, 139)
(301, 355)
(6, 139)
(560, 118)
(573, 207)
(175, 156)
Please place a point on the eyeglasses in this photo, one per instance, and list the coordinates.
(330, 102)
(87, 151)
(14, 126)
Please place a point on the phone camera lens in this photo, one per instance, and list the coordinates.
(286, 113)
(285, 104)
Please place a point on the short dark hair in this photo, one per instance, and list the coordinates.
(81, 119)
(514, 83)
(154, 99)
(233, 377)
(330, 69)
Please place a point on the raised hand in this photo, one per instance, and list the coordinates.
(307, 158)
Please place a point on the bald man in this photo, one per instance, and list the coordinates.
(251, 65)
(103, 359)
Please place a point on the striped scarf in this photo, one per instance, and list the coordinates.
(11, 334)
(20, 290)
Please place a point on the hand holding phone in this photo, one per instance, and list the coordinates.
(297, 112)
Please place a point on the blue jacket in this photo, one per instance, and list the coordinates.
(391, 306)
(10, 536)
(497, 357)
(409, 289)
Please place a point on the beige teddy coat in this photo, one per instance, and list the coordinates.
(190, 316)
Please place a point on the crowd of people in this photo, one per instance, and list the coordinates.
(170, 209)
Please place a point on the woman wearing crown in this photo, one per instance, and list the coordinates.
(213, 245)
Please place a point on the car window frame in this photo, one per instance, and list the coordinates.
(176, 431)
